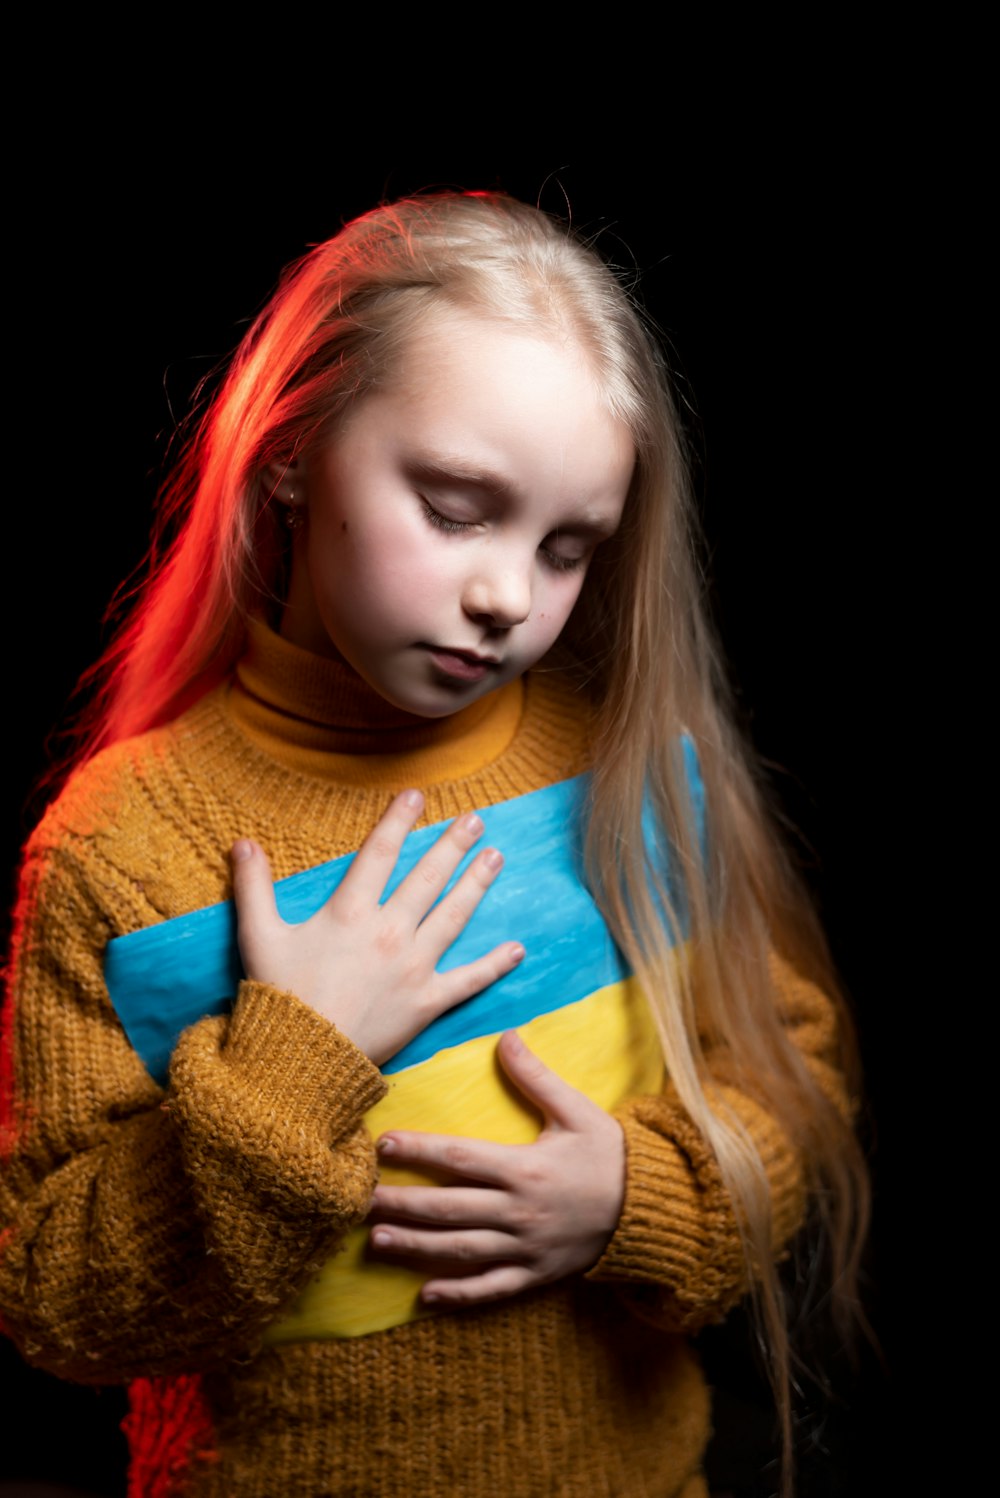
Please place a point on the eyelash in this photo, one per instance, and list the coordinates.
(442, 523)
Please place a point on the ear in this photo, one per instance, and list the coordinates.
(284, 476)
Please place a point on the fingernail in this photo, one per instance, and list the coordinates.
(412, 798)
(517, 953)
(493, 859)
(429, 1298)
(241, 851)
(381, 1238)
(514, 1042)
(472, 823)
(386, 1146)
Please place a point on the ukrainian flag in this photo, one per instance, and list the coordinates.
(573, 999)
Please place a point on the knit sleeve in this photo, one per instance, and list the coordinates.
(147, 1230)
(677, 1254)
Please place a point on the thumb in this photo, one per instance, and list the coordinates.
(560, 1103)
(253, 896)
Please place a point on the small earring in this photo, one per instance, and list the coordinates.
(294, 516)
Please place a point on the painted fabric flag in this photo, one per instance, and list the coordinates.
(572, 998)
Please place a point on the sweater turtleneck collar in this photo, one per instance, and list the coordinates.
(316, 716)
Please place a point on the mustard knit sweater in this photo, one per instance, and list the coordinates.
(150, 1235)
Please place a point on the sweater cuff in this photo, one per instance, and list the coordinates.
(306, 1071)
(674, 1219)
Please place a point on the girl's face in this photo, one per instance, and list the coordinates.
(452, 520)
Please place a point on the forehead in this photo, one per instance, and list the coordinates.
(449, 343)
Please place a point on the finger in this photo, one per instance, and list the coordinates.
(469, 1159)
(253, 896)
(475, 1246)
(460, 983)
(457, 1206)
(560, 1104)
(428, 877)
(476, 1289)
(379, 853)
(452, 914)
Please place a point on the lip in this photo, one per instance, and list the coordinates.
(462, 665)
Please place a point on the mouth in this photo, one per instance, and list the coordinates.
(462, 665)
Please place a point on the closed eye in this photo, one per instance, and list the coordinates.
(554, 559)
(560, 563)
(441, 522)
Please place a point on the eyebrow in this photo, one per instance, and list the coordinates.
(442, 468)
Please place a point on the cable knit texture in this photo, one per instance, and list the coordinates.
(150, 1234)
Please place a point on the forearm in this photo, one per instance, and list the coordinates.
(678, 1252)
(167, 1239)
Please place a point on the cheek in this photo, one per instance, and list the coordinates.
(555, 604)
(383, 557)
(396, 570)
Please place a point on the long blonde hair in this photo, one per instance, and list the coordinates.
(640, 640)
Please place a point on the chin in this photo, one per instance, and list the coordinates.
(442, 702)
(442, 709)
(426, 705)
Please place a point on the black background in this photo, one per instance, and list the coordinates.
(779, 294)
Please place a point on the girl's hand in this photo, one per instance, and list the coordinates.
(366, 967)
(516, 1216)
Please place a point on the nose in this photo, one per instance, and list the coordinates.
(499, 596)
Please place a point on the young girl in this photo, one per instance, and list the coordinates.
(495, 1114)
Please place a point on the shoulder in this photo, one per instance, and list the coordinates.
(131, 821)
(119, 782)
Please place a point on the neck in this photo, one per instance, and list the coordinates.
(314, 713)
